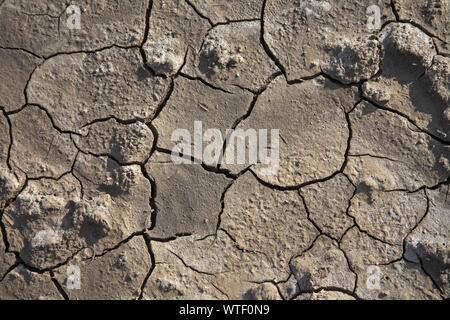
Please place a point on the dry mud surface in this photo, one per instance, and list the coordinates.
(93, 207)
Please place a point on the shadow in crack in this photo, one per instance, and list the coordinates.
(117, 144)
(83, 219)
(434, 261)
(208, 62)
(304, 282)
(113, 183)
(142, 74)
(431, 104)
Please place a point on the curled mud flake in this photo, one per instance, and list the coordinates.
(120, 194)
(92, 217)
(88, 254)
(218, 55)
(10, 183)
(36, 222)
(403, 39)
(447, 114)
(48, 222)
(122, 179)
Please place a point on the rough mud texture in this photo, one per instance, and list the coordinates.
(6, 259)
(212, 266)
(107, 83)
(314, 133)
(188, 198)
(438, 76)
(125, 143)
(175, 32)
(427, 244)
(325, 295)
(229, 55)
(401, 85)
(38, 149)
(388, 216)
(192, 101)
(17, 67)
(105, 190)
(380, 160)
(265, 220)
(11, 179)
(328, 202)
(382, 273)
(22, 284)
(400, 280)
(432, 16)
(118, 274)
(308, 36)
(42, 27)
(324, 265)
(218, 11)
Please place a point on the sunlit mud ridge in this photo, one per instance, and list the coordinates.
(95, 204)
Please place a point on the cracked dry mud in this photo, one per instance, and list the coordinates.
(93, 207)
